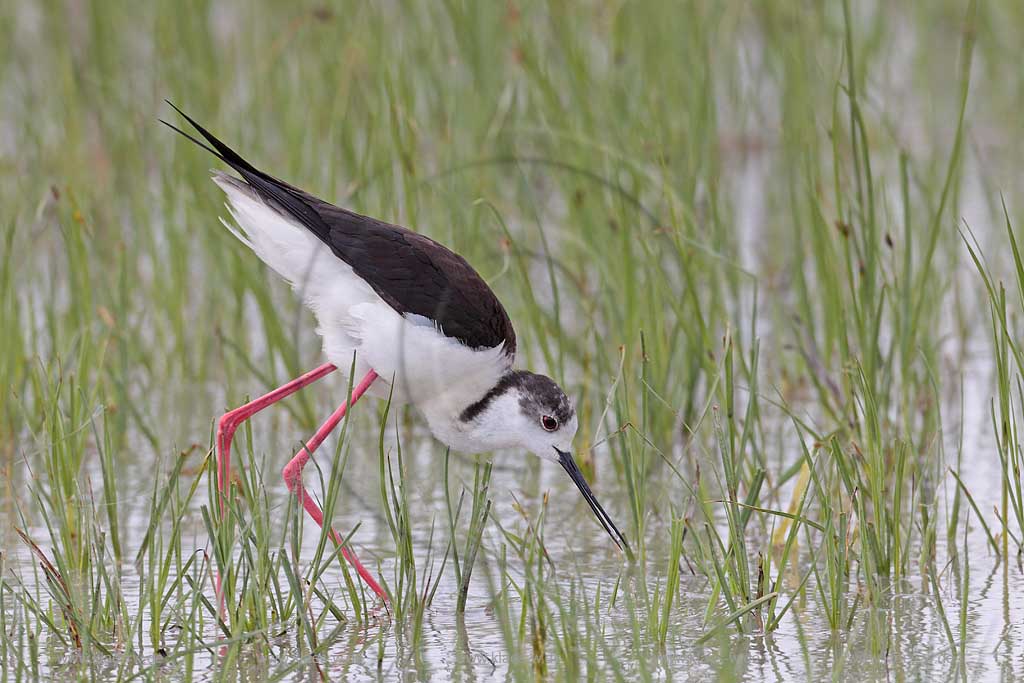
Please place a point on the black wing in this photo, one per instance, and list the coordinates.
(411, 272)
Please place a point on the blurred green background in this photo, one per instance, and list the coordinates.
(737, 231)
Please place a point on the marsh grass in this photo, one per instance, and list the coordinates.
(747, 238)
(1005, 409)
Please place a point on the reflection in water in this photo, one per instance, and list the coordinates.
(901, 639)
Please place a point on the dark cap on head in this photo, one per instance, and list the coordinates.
(539, 395)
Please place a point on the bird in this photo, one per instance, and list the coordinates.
(415, 320)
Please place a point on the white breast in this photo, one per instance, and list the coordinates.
(434, 372)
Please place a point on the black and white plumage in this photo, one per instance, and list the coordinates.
(407, 309)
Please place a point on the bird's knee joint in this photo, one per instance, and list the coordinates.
(226, 425)
(291, 475)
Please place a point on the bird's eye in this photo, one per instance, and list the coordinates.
(549, 423)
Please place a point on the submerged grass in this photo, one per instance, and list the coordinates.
(751, 240)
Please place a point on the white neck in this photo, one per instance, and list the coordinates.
(492, 429)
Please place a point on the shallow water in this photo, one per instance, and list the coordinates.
(901, 639)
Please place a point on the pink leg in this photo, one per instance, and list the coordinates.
(230, 421)
(293, 478)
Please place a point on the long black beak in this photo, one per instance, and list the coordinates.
(566, 461)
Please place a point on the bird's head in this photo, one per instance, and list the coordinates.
(530, 411)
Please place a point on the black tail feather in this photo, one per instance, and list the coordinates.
(223, 152)
(289, 199)
(189, 136)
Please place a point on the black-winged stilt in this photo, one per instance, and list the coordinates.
(422, 324)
